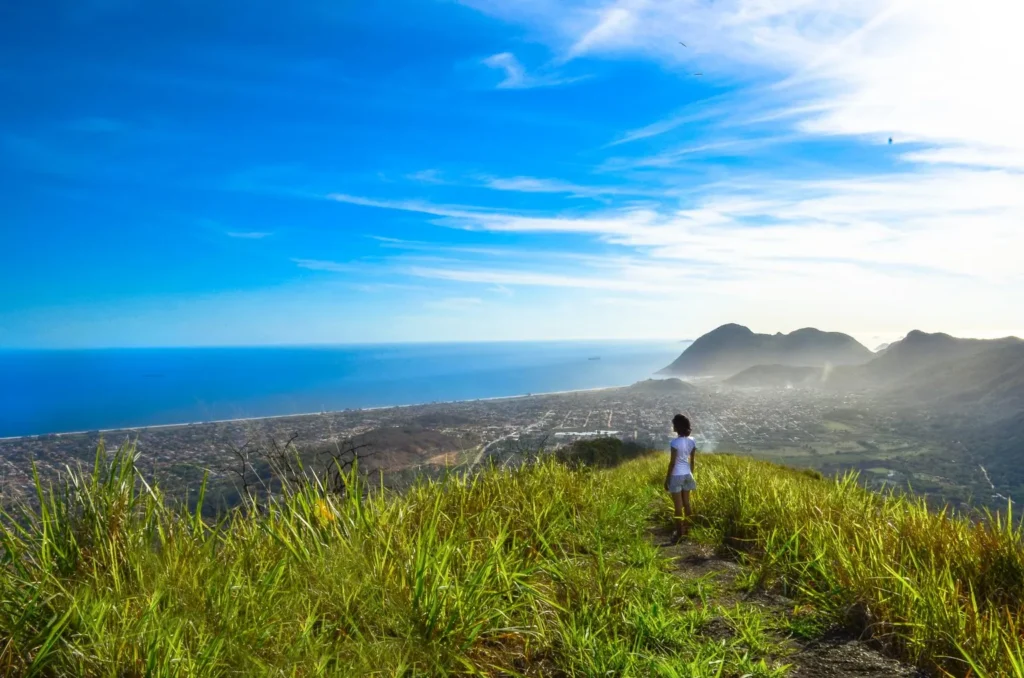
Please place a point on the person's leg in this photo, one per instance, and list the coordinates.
(677, 499)
(684, 499)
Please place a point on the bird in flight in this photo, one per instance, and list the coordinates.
(682, 43)
(698, 74)
(890, 141)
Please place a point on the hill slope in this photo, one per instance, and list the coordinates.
(991, 379)
(732, 348)
(1001, 448)
(912, 357)
(775, 376)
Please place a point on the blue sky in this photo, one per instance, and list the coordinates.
(192, 173)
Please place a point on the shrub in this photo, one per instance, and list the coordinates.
(601, 452)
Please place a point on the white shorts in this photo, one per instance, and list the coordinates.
(678, 484)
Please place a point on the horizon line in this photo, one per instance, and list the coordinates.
(352, 344)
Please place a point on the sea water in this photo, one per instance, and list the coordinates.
(83, 390)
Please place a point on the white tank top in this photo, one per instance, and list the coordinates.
(683, 445)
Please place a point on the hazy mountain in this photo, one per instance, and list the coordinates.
(882, 347)
(670, 385)
(916, 352)
(775, 376)
(733, 348)
(989, 381)
(920, 349)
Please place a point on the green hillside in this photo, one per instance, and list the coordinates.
(549, 569)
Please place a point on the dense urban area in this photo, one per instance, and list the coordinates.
(830, 432)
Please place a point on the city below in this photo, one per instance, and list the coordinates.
(830, 432)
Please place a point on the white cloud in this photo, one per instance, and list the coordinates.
(403, 205)
(936, 238)
(533, 185)
(949, 223)
(883, 254)
(969, 156)
(936, 72)
(621, 281)
(538, 185)
(699, 111)
(323, 265)
(517, 184)
(722, 148)
(516, 76)
(249, 235)
(427, 176)
(614, 24)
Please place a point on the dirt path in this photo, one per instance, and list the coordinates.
(712, 577)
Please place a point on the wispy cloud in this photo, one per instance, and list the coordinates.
(249, 235)
(613, 26)
(324, 265)
(927, 71)
(774, 251)
(376, 287)
(904, 222)
(559, 257)
(993, 158)
(427, 176)
(403, 205)
(526, 278)
(697, 113)
(455, 304)
(528, 184)
(940, 209)
(719, 148)
(516, 76)
(751, 107)
(502, 290)
(539, 185)
(534, 185)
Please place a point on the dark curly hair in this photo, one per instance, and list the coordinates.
(681, 425)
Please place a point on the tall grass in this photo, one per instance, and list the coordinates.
(940, 590)
(544, 570)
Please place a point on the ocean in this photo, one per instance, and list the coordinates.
(84, 390)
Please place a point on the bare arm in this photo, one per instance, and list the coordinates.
(671, 464)
(693, 455)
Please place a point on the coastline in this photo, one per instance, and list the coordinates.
(150, 427)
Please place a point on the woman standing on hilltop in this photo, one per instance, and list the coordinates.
(679, 480)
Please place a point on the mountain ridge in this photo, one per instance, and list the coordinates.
(916, 353)
(990, 380)
(732, 348)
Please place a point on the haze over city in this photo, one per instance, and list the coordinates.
(193, 174)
